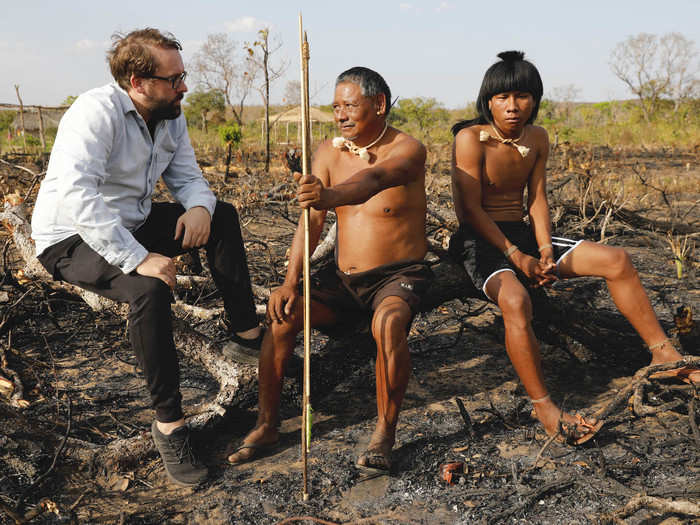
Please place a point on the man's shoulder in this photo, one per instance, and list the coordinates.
(326, 150)
(401, 135)
(539, 132)
(404, 140)
(99, 102)
(468, 139)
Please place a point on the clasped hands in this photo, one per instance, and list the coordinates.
(542, 272)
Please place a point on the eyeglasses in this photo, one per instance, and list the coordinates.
(175, 80)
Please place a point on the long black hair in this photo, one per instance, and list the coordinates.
(511, 73)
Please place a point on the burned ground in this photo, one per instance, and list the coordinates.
(83, 389)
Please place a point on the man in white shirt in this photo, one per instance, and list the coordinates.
(95, 225)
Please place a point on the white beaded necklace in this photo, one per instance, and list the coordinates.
(340, 142)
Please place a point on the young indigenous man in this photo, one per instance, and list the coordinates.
(95, 225)
(496, 156)
(374, 178)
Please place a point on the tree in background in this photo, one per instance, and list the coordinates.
(259, 53)
(217, 66)
(292, 93)
(557, 111)
(426, 114)
(655, 68)
(199, 104)
(230, 136)
(69, 100)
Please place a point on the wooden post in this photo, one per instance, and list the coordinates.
(41, 129)
(21, 119)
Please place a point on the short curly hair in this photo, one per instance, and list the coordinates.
(131, 53)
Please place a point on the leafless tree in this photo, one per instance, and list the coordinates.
(655, 68)
(259, 53)
(564, 98)
(221, 65)
(680, 58)
(292, 93)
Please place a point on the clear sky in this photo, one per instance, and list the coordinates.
(430, 48)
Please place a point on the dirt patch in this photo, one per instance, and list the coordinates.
(81, 381)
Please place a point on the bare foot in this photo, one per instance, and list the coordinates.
(261, 439)
(667, 353)
(378, 453)
(572, 428)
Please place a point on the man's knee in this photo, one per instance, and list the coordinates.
(225, 214)
(619, 264)
(391, 319)
(288, 327)
(516, 307)
(150, 292)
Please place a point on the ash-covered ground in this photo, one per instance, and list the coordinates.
(77, 369)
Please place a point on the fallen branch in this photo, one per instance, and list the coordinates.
(195, 346)
(12, 387)
(641, 375)
(664, 506)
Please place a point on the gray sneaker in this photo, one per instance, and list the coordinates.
(245, 351)
(176, 452)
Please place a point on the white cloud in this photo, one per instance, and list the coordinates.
(406, 7)
(444, 6)
(244, 24)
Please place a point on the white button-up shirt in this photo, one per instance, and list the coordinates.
(102, 172)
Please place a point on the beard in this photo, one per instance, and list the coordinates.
(163, 109)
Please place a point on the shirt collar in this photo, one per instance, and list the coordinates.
(125, 99)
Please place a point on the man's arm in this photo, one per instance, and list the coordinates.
(188, 186)
(182, 176)
(405, 164)
(467, 166)
(283, 298)
(537, 205)
(78, 160)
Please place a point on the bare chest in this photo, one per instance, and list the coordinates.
(506, 170)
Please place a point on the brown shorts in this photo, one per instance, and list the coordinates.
(354, 297)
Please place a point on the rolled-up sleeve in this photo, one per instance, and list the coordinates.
(183, 177)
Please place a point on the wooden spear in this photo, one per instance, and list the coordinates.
(305, 169)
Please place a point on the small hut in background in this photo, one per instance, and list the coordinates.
(322, 125)
(32, 125)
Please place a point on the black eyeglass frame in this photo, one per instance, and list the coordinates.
(175, 80)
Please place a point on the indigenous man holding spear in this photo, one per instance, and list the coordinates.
(373, 176)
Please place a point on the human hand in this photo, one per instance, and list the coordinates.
(537, 272)
(281, 303)
(195, 223)
(158, 266)
(312, 193)
(547, 261)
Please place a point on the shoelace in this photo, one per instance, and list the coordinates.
(186, 451)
